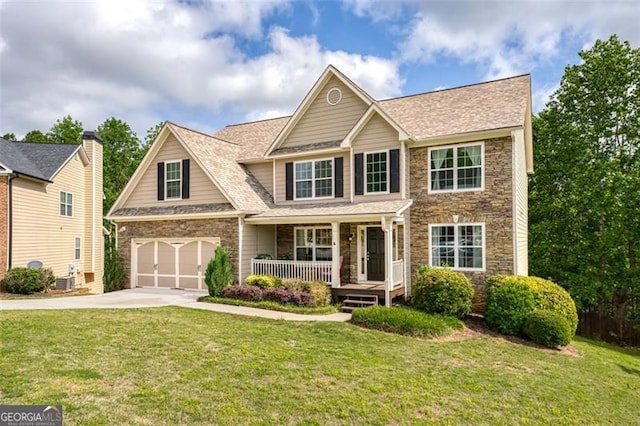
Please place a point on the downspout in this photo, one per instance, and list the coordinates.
(10, 221)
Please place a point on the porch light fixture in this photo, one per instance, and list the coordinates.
(351, 235)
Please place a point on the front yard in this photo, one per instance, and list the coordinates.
(183, 366)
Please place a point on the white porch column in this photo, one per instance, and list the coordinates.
(387, 227)
(335, 254)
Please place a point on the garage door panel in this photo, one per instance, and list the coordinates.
(189, 259)
(166, 258)
(166, 281)
(145, 281)
(146, 258)
(186, 282)
(208, 250)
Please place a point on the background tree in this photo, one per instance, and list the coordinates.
(585, 193)
(9, 137)
(152, 134)
(35, 136)
(66, 130)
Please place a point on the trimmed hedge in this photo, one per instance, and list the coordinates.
(318, 289)
(243, 292)
(442, 291)
(28, 280)
(405, 321)
(278, 295)
(263, 281)
(510, 300)
(547, 328)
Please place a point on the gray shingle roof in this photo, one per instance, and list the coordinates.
(174, 210)
(39, 160)
(306, 148)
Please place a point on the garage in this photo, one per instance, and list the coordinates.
(171, 262)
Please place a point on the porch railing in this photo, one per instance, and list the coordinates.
(305, 270)
(398, 272)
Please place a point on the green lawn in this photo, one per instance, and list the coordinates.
(182, 366)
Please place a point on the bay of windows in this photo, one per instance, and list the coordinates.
(313, 244)
(314, 179)
(456, 168)
(457, 246)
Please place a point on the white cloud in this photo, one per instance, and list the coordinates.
(142, 60)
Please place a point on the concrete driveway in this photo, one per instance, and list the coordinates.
(155, 297)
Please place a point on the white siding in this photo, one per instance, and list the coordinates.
(281, 178)
(256, 239)
(323, 122)
(264, 173)
(202, 189)
(521, 206)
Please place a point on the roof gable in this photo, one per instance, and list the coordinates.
(347, 88)
(373, 110)
(38, 160)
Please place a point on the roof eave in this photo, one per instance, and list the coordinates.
(146, 218)
(464, 136)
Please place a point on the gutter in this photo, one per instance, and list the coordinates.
(10, 221)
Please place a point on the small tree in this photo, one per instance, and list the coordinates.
(218, 274)
(114, 273)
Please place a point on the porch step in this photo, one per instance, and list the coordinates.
(355, 301)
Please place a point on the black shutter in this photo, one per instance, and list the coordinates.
(358, 159)
(394, 176)
(185, 178)
(288, 172)
(337, 164)
(160, 181)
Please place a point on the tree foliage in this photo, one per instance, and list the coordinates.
(66, 130)
(35, 136)
(9, 137)
(585, 193)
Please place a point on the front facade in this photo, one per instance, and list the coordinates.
(51, 209)
(350, 190)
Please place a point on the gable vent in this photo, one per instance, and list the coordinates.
(334, 96)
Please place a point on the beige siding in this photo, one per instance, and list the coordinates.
(521, 206)
(281, 178)
(256, 239)
(202, 189)
(39, 232)
(323, 122)
(264, 173)
(376, 135)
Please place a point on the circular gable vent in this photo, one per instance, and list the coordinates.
(334, 96)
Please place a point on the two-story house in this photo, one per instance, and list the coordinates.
(51, 208)
(352, 190)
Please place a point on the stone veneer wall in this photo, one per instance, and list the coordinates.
(224, 228)
(4, 223)
(493, 206)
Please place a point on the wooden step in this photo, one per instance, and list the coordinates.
(360, 302)
(371, 297)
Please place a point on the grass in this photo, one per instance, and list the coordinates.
(405, 321)
(175, 365)
(272, 306)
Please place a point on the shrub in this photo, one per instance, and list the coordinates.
(405, 321)
(548, 328)
(243, 292)
(510, 299)
(442, 291)
(263, 281)
(28, 280)
(293, 284)
(114, 274)
(218, 274)
(320, 292)
(278, 295)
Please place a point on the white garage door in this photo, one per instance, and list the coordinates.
(171, 262)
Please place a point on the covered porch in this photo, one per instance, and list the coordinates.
(356, 254)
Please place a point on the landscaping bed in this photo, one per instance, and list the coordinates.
(272, 306)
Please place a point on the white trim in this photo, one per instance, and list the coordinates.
(324, 151)
(462, 137)
(226, 214)
(313, 179)
(273, 181)
(94, 210)
(339, 96)
(514, 188)
(83, 156)
(455, 168)
(240, 247)
(403, 171)
(366, 175)
(455, 230)
(166, 181)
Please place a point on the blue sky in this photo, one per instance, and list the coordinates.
(206, 64)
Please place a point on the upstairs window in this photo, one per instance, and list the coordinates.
(377, 172)
(314, 179)
(66, 204)
(456, 168)
(173, 180)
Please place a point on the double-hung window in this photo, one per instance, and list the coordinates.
(313, 244)
(377, 172)
(314, 179)
(173, 180)
(77, 249)
(66, 204)
(456, 168)
(457, 246)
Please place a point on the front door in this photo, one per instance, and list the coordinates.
(375, 254)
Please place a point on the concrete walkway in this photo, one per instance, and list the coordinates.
(155, 297)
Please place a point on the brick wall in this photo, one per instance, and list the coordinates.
(225, 228)
(493, 206)
(4, 223)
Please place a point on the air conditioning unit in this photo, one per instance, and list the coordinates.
(65, 283)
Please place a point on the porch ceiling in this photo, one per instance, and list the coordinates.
(329, 212)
